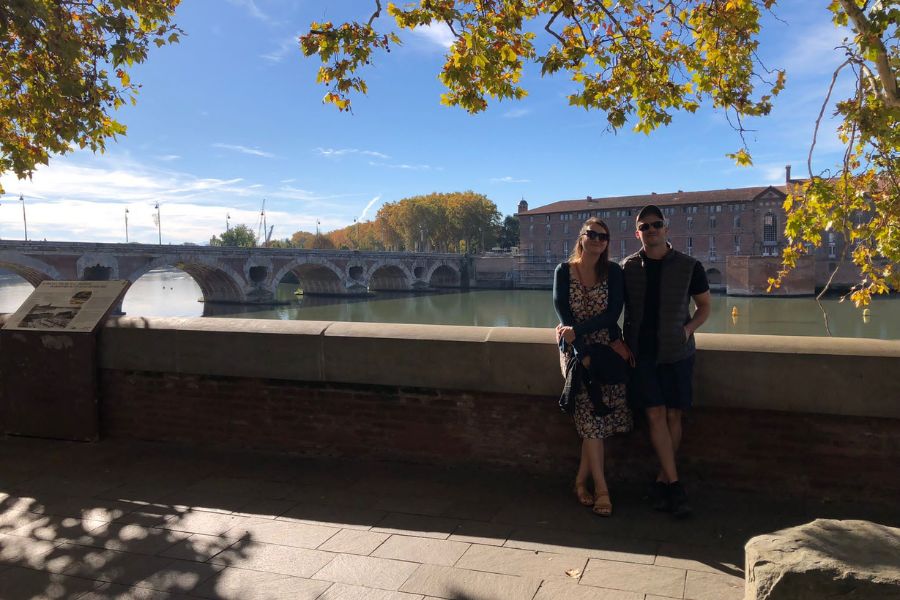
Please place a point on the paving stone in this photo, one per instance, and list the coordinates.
(23, 552)
(342, 591)
(353, 541)
(243, 584)
(562, 590)
(287, 560)
(345, 517)
(478, 532)
(24, 583)
(588, 545)
(367, 571)
(422, 550)
(709, 586)
(264, 508)
(415, 504)
(128, 537)
(57, 529)
(114, 591)
(511, 561)
(722, 560)
(207, 523)
(110, 565)
(419, 525)
(178, 576)
(198, 547)
(462, 584)
(648, 579)
(269, 531)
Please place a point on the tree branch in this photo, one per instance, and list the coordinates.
(882, 63)
(812, 146)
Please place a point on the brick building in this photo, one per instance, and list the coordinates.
(709, 225)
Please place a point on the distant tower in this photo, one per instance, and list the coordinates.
(523, 206)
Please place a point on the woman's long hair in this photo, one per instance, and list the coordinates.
(602, 266)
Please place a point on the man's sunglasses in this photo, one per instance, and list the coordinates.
(654, 225)
(596, 235)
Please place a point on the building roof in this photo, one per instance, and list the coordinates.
(665, 199)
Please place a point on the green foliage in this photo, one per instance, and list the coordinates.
(239, 236)
(64, 67)
(508, 235)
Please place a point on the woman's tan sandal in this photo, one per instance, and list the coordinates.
(585, 498)
(602, 504)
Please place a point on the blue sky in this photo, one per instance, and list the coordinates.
(232, 115)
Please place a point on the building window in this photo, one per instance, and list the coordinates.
(831, 245)
(718, 208)
(690, 246)
(566, 247)
(548, 218)
(690, 223)
(737, 221)
(712, 247)
(531, 228)
(565, 228)
(712, 222)
(622, 249)
(769, 224)
(623, 224)
(737, 244)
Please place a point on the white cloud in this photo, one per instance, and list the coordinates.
(244, 150)
(436, 33)
(404, 166)
(508, 179)
(368, 206)
(339, 152)
(168, 157)
(84, 198)
(284, 48)
(252, 9)
(516, 113)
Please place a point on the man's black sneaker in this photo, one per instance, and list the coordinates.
(659, 496)
(678, 502)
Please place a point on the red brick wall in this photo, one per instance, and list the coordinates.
(790, 452)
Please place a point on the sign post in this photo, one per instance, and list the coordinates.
(48, 360)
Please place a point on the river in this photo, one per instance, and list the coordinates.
(174, 294)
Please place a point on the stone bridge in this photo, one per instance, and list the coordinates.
(240, 275)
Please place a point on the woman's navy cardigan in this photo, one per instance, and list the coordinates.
(608, 319)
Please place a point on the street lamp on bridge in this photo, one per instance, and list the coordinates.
(126, 225)
(158, 220)
(24, 220)
(227, 221)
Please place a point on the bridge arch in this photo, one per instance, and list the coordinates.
(316, 274)
(218, 282)
(389, 275)
(714, 276)
(30, 269)
(444, 274)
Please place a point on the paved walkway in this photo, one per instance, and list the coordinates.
(148, 521)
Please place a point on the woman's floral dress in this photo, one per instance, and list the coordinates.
(586, 303)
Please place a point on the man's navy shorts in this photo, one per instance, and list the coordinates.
(670, 385)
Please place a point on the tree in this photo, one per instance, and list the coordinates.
(640, 61)
(310, 241)
(64, 67)
(239, 236)
(508, 236)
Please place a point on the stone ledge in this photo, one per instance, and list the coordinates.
(796, 374)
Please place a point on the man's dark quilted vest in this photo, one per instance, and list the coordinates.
(674, 304)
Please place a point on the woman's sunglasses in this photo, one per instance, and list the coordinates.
(596, 235)
(654, 224)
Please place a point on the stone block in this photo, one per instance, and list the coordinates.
(824, 559)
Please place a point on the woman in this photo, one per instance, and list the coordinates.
(588, 294)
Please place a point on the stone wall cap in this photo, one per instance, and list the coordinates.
(793, 344)
(223, 325)
(408, 331)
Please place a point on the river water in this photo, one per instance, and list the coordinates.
(174, 294)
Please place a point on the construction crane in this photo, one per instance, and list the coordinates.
(262, 228)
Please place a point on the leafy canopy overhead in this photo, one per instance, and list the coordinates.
(64, 69)
(641, 61)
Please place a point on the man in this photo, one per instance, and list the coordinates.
(659, 329)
